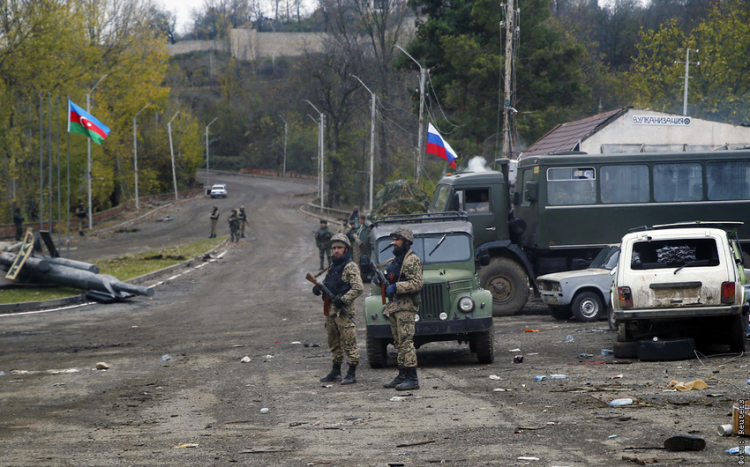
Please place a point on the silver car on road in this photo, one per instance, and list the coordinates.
(584, 293)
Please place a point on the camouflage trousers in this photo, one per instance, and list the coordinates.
(242, 228)
(342, 338)
(402, 329)
(325, 252)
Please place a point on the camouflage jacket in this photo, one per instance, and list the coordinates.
(351, 276)
(408, 286)
(323, 238)
(234, 222)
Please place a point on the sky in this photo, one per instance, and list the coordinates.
(182, 8)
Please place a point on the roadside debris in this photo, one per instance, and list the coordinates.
(418, 443)
(264, 410)
(166, 358)
(680, 386)
(186, 445)
(102, 366)
(621, 402)
(245, 359)
(569, 338)
(684, 443)
(518, 359)
(495, 377)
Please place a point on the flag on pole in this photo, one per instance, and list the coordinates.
(80, 121)
(437, 146)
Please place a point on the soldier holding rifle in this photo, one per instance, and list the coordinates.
(340, 288)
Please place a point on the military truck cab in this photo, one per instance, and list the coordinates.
(453, 306)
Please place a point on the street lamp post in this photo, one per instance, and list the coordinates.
(171, 150)
(322, 166)
(286, 132)
(372, 136)
(422, 76)
(687, 78)
(88, 152)
(135, 153)
(207, 185)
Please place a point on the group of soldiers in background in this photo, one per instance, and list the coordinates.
(237, 221)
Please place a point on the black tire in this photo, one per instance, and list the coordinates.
(587, 306)
(625, 349)
(507, 282)
(737, 330)
(485, 346)
(667, 350)
(377, 352)
(560, 312)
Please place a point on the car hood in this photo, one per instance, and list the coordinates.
(561, 276)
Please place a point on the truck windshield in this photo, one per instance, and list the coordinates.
(455, 247)
(440, 199)
(607, 258)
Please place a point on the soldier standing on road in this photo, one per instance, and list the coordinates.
(344, 227)
(405, 275)
(18, 220)
(243, 221)
(344, 281)
(234, 226)
(82, 215)
(214, 220)
(323, 242)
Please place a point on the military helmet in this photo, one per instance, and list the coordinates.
(234, 210)
(403, 232)
(323, 221)
(341, 238)
(242, 208)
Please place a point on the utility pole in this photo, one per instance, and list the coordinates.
(135, 153)
(687, 78)
(171, 151)
(322, 165)
(88, 152)
(510, 13)
(207, 185)
(422, 78)
(372, 136)
(286, 132)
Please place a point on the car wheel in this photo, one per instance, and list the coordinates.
(587, 306)
(507, 282)
(484, 346)
(667, 350)
(377, 352)
(560, 312)
(611, 318)
(625, 349)
(737, 330)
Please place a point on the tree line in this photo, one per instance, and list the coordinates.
(574, 58)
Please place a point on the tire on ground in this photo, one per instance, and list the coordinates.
(587, 306)
(737, 330)
(377, 352)
(666, 350)
(560, 312)
(507, 282)
(625, 349)
(485, 346)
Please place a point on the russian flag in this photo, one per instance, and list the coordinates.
(437, 146)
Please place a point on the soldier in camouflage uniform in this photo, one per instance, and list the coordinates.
(243, 221)
(234, 226)
(214, 220)
(344, 281)
(405, 275)
(323, 242)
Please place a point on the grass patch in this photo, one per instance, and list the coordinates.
(123, 268)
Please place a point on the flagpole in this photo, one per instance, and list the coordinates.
(59, 206)
(422, 75)
(88, 152)
(41, 163)
(67, 205)
(49, 157)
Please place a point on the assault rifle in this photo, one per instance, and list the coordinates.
(384, 283)
(328, 297)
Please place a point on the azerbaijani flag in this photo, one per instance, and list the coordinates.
(437, 146)
(80, 121)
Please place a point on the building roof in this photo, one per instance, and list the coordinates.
(567, 137)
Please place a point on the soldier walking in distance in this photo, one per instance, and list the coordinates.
(405, 275)
(18, 221)
(323, 242)
(344, 281)
(234, 226)
(243, 221)
(214, 220)
(82, 215)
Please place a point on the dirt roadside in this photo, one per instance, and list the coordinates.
(56, 409)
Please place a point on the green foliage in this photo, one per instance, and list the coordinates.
(719, 89)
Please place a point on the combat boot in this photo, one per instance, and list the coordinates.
(334, 375)
(351, 377)
(398, 379)
(411, 381)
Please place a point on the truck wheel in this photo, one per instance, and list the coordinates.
(377, 352)
(737, 330)
(507, 282)
(485, 346)
(587, 306)
(560, 312)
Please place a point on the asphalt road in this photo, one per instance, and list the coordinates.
(203, 405)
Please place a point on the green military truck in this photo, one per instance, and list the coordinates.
(453, 306)
(566, 207)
